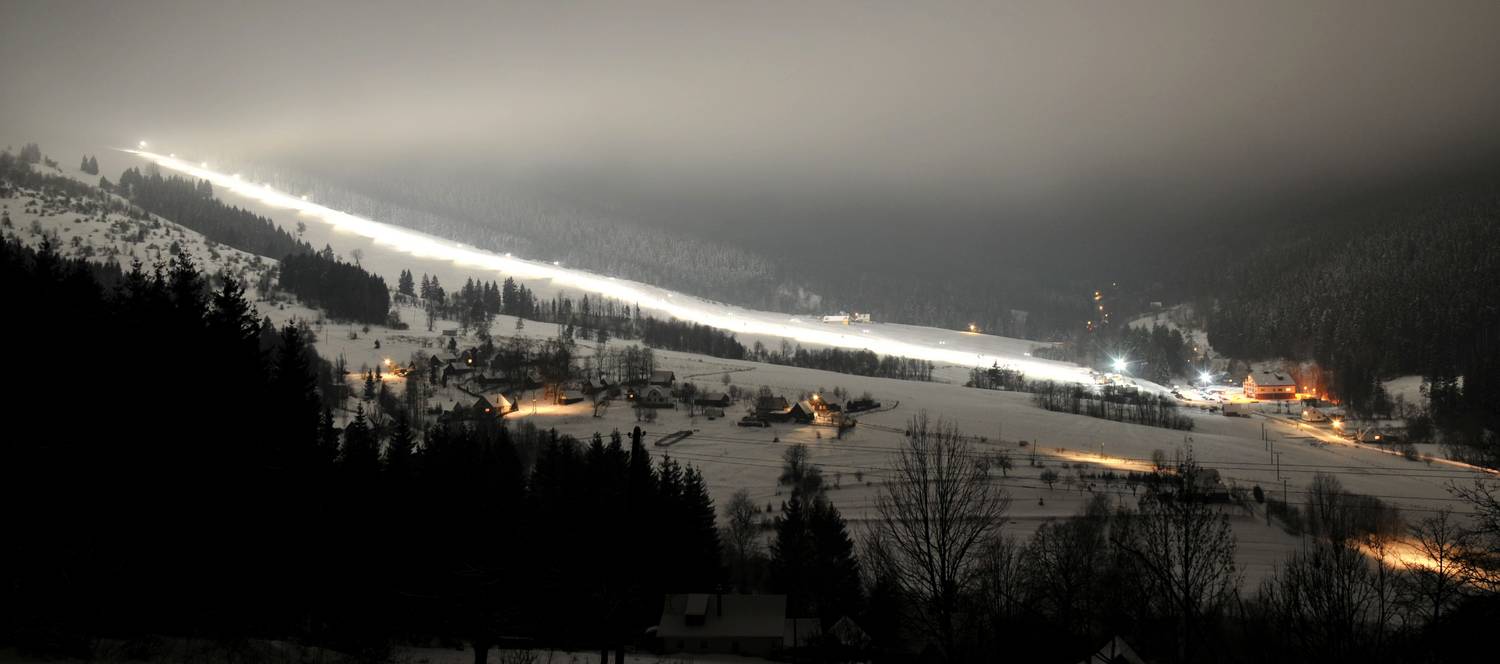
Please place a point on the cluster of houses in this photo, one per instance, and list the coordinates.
(494, 397)
(695, 624)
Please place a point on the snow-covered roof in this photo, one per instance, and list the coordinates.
(726, 616)
(1271, 379)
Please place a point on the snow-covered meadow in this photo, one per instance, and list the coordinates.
(1081, 450)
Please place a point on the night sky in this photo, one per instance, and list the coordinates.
(949, 123)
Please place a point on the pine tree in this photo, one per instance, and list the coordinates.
(399, 450)
(294, 385)
(791, 554)
(836, 586)
(328, 438)
(701, 531)
(359, 455)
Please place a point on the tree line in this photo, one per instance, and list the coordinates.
(858, 362)
(191, 204)
(345, 291)
(1110, 402)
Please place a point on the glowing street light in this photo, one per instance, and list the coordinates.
(142, 144)
(1205, 377)
(1121, 364)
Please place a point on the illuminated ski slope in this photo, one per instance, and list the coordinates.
(943, 347)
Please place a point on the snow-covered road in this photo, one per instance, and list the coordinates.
(944, 347)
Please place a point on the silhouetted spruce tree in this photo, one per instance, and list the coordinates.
(360, 455)
(400, 450)
(701, 531)
(836, 587)
(296, 403)
(792, 553)
(328, 439)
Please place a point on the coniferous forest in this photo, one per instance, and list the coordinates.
(344, 290)
(191, 203)
(243, 512)
(1412, 292)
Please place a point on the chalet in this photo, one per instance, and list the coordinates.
(484, 382)
(598, 386)
(652, 396)
(1264, 385)
(454, 370)
(750, 625)
(849, 634)
(802, 411)
(482, 407)
(768, 405)
(503, 403)
(663, 378)
(1117, 651)
(457, 411)
(719, 399)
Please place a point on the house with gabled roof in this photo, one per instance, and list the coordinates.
(751, 625)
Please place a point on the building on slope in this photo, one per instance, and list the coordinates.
(751, 625)
(1269, 385)
(663, 378)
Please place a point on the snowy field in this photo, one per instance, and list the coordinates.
(733, 457)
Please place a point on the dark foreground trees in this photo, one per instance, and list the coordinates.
(935, 516)
(172, 470)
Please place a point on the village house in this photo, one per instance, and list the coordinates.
(651, 396)
(770, 405)
(1266, 385)
(481, 408)
(453, 370)
(663, 378)
(599, 386)
(750, 625)
(803, 411)
(718, 399)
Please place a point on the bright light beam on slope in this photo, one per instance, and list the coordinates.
(651, 298)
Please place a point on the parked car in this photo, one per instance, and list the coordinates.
(753, 421)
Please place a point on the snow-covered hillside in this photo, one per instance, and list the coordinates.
(387, 249)
(1081, 450)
